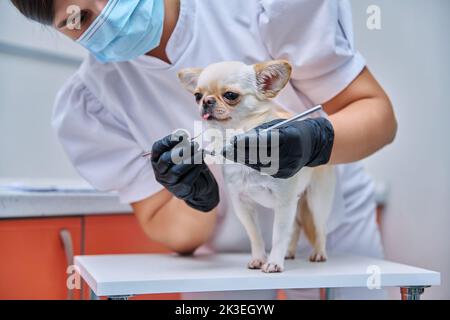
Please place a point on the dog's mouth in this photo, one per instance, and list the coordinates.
(207, 116)
(211, 117)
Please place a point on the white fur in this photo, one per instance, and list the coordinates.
(247, 187)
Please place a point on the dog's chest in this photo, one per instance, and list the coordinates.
(251, 184)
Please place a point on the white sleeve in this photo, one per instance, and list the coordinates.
(100, 147)
(316, 36)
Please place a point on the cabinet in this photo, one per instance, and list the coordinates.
(32, 258)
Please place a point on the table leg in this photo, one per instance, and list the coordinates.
(119, 298)
(92, 295)
(326, 294)
(412, 293)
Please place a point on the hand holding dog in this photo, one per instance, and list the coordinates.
(302, 143)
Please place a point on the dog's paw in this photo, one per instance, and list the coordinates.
(291, 251)
(272, 267)
(290, 256)
(318, 257)
(255, 264)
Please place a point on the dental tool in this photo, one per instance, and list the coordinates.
(149, 154)
(278, 125)
(294, 118)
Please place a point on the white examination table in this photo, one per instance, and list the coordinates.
(123, 276)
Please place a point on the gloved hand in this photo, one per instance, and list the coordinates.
(179, 166)
(300, 143)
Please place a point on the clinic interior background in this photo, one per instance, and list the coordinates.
(409, 56)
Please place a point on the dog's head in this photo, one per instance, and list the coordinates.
(234, 91)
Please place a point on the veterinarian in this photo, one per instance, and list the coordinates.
(126, 96)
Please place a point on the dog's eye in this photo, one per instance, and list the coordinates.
(231, 96)
(198, 97)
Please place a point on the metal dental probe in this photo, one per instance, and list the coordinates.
(149, 154)
(294, 118)
(278, 125)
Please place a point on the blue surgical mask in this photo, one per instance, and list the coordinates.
(125, 30)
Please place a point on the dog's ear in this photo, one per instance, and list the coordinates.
(272, 77)
(189, 78)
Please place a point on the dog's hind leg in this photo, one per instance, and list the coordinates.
(297, 230)
(319, 196)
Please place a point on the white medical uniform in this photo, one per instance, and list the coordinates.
(106, 115)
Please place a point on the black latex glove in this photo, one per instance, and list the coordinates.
(179, 166)
(300, 143)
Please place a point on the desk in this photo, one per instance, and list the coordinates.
(22, 204)
(122, 276)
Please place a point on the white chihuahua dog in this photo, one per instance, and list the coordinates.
(233, 95)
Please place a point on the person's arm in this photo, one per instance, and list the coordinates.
(183, 215)
(363, 120)
(173, 223)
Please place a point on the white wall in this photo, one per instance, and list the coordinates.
(409, 57)
(17, 30)
(28, 147)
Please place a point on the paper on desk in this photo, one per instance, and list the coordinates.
(45, 185)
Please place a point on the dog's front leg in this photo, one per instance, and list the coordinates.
(246, 213)
(285, 213)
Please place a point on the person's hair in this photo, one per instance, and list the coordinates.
(42, 11)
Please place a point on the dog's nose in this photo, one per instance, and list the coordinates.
(209, 102)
